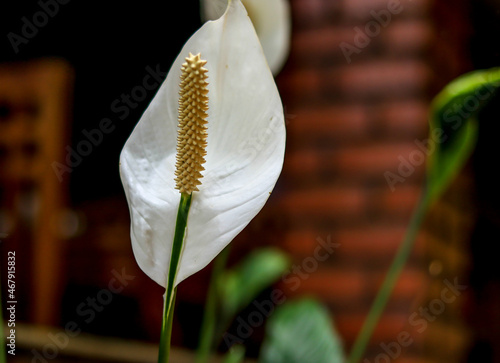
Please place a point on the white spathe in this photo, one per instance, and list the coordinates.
(246, 144)
(272, 22)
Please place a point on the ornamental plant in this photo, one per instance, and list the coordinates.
(205, 156)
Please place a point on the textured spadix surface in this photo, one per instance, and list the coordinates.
(245, 150)
(192, 132)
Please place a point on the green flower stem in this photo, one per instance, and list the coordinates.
(168, 310)
(208, 326)
(166, 330)
(392, 276)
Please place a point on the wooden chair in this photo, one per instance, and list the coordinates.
(35, 99)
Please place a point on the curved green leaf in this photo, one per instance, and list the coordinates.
(454, 125)
(301, 331)
(240, 285)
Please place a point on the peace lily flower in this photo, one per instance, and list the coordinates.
(206, 154)
(272, 22)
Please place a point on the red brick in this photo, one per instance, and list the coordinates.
(300, 84)
(317, 43)
(382, 78)
(308, 8)
(371, 160)
(356, 245)
(360, 10)
(299, 243)
(400, 37)
(407, 36)
(323, 202)
(411, 283)
(304, 163)
(336, 122)
(352, 163)
(374, 242)
(309, 13)
(401, 201)
(403, 118)
(330, 284)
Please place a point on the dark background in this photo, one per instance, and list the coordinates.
(109, 44)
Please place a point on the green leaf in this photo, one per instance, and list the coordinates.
(235, 355)
(240, 285)
(301, 331)
(454, 125)
(231, 290)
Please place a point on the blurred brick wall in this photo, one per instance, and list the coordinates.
(355, 105)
